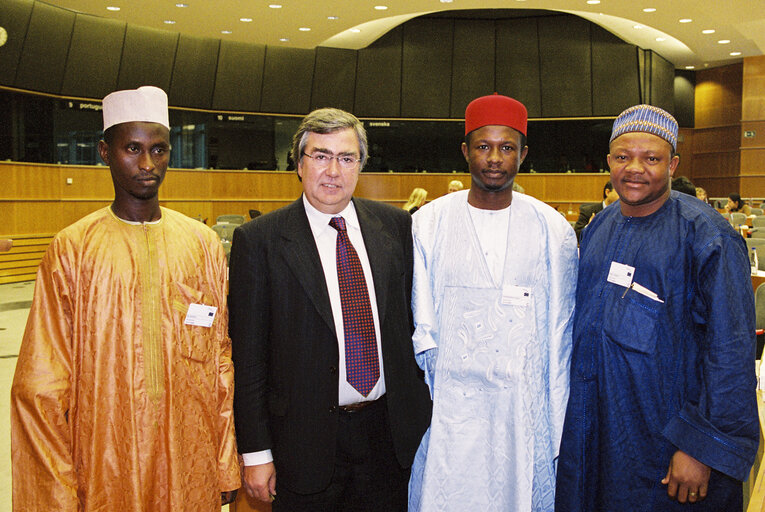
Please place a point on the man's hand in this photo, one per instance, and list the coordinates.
(686, 478)
(260, 481)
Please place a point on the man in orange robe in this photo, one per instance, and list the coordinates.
(122, 397)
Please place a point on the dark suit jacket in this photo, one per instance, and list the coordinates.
(285, 349)
(585, 212)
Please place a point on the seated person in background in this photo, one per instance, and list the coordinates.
(736, 204)
(454, 186)
(5, 244)
(701, 195)
(588, 211)
(684, 185)
(416, 199)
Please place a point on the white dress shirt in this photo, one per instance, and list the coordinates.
(491, 227)
(325, 237)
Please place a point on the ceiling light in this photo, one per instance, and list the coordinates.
(169, 22)
(660, 39)
(226, 32)
(181, 5)
(723, 41)
(245, 20)
(381, 7)
(735, 54)
(112, 8)
(283, 39)
(355, 30)
(275, 6)
(593, 2)
(333, 17)
(304, 29)
(690, 67)
(708, 31)
(637, 27)
(685, 20)
(446, 1)
(649, 9)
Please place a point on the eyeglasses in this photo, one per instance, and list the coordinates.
(323, 160)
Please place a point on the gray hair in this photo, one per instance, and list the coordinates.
(328, 120)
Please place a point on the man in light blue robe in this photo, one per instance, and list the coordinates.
(662, 414)
(493, 299)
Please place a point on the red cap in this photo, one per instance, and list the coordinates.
(497, 110)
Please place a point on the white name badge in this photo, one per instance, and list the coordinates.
(513, 295)
(621, 274)
(200, 315)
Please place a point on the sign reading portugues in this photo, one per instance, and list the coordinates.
(82, 105)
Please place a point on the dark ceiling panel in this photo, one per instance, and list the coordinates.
(427, 68)
(239, 78)
(147, 58)
(472, 63)
(612, 90)
(43, 58)
(15, 20)
(287, 80)
(94, 57)
(378, 77)
(517, 62)
(194, 72)
(334, 78)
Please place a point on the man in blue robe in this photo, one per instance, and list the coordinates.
(662, 413)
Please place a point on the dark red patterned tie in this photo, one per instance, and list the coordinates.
(361, 361)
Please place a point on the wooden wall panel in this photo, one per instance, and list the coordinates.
(753, 89)
(94, 57)
(16, 16)
(710, 165)
(753, 162)
(287, 80)
(88, 183)
(710, 140)
(194, 72)
(426, 68)
(473, 63)
(334, 78)
(147, 58)
(718, 96)
(758, 127)
(239, 77)
(378, 77)
(517, 62)
(685, 143)
(565, 66)
(46, 46)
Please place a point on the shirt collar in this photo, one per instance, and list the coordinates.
(320, 221)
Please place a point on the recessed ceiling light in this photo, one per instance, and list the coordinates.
(723, 41)
(690, 67)
(381, 7)
(593, 2)
(637, 27)
(446, 1)
(226, 32)
(112, 8)
(181, 5)
(649, 9)
(355, 30)
(708, 31)
(660, 39)
(735, 54)
(685, 20)
(283, 39)
(304, 29)
(245, 20)
(169, 22)
(333, 17)
(275, 6)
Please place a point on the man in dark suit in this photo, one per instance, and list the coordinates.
(312, 435)
(588, 210)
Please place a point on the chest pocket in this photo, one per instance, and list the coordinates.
(194, 342)
(632, 323)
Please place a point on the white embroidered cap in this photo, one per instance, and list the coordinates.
(147, 103)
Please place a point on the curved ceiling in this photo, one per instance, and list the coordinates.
(337, 23)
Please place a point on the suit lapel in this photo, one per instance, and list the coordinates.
(378, 244)
(302, 256)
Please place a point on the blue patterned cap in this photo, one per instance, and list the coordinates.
(648, 119)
